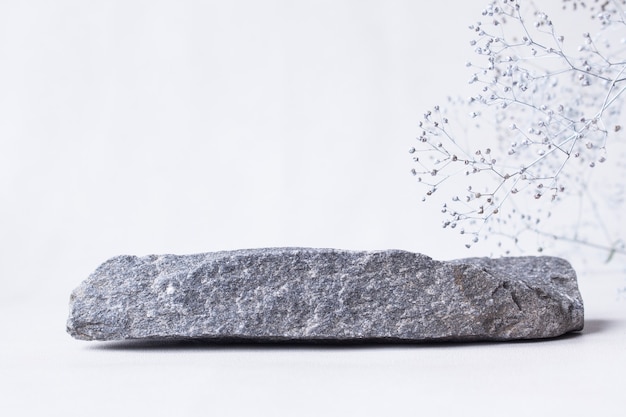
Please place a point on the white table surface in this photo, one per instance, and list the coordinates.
(45, 372)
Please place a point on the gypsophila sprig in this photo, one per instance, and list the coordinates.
(545, 111)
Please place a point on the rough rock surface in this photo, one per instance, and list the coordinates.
(326, 294)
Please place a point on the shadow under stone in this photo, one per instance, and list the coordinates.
(317, 344)
(598, 326)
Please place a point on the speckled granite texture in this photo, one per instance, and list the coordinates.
(300, 294)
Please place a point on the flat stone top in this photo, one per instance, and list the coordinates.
(326, 294)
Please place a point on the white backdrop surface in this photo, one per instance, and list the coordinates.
(138, 127)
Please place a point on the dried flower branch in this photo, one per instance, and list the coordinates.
(540, 123)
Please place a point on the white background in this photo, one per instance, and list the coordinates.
(139, 127)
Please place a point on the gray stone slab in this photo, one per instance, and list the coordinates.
(300, 294)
